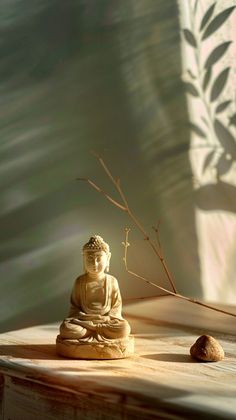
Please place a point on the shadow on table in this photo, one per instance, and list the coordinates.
(30, 351)
(48, 352)
(170, 357)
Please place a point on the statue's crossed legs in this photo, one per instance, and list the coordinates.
(109, 328)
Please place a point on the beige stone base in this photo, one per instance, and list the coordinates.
(114, 349)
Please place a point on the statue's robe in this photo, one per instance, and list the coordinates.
(98, 318)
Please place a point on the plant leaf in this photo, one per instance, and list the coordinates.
(232, 120)
(208, 160)
(207, 78)
(217, 22)
(190, 38)
(197, 130)
(207, 16)
(216, 54)
(190, 88)
(221, 107)
(223, 164)
(219, 84)
(225, 138)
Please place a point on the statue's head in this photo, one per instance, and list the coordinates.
(97, 255)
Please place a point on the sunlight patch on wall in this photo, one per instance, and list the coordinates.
(208, 48)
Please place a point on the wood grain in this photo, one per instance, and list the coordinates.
(160, 381)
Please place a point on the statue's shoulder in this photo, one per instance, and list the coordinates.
(112, 280)
(79, 278)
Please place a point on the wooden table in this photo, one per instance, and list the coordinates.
(160, 381)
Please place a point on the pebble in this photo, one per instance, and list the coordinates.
(207, 349)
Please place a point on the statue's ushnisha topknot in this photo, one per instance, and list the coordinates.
(96, 243)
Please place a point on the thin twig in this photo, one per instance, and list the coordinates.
(134, 299)
(169, 292)
(115, 182)
(97, 188)
(126, 208)
(133, 217)
(156, 229)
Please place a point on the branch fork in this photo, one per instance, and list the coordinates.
(156, 247)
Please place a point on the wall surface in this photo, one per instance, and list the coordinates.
(209, 51)
(81, 75)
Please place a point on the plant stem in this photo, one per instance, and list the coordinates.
(178, 295)
(126, 208)
(134, 219)
(95, 186)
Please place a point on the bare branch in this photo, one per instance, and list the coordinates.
(115, 182)
(97, 188)
(197, 302)
(101, 161)
(136, 221)
(134, 299)
(157, 231)
(126, 208)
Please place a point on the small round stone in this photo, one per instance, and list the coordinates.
(207, 349)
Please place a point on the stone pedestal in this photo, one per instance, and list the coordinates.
(113, 349)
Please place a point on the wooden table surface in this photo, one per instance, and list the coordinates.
(159, 381)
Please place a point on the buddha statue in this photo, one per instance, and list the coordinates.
(95, 328)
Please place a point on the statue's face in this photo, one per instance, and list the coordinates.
(95, 262)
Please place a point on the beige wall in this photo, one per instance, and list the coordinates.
(213, 145)
(78, 76)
